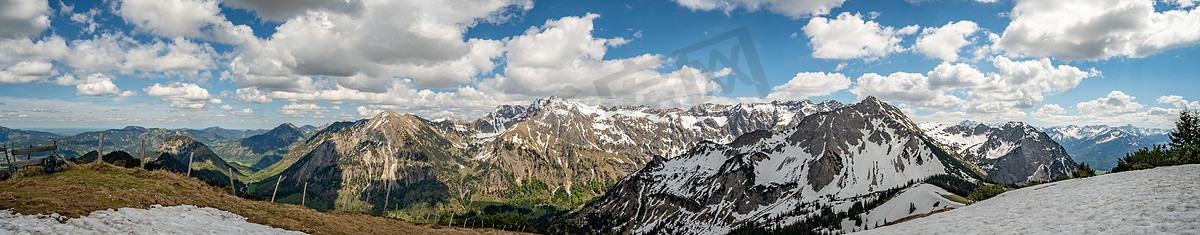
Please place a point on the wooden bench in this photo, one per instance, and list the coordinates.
(49, 163)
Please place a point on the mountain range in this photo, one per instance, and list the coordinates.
(712, 168)
(1100, 146)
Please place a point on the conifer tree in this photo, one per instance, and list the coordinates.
(1187, 130)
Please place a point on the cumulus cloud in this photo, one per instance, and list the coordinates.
(27, 71)
(947, 75)
(1049, 110)
(1022, 84)
(180, 54)
(944, 42)
(283, 10)
(243, 112)
(563, 57)
(1178, 102)
(181, 95)
(1098, 29)
(369, 49)
(20, 18)
(810, 84)
(302, 109)
(252, 95)
(367, 112)
(790, 8)
(1015, 85)
(849, 36)
(99, 84)
(199, 19)
(1116, 102)
(912, 88)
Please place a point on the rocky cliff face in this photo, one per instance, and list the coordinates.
(1011, 153)
(1100, 146)
(355, 167)
(826, 162)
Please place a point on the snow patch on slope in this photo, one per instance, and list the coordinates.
(915, 200)
(1159, 200)
(183, 219)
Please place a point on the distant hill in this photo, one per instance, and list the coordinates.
(177, 151)
(218, 133)
(8, 135)
(272, 144)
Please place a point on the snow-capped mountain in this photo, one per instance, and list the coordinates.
(828, 162)
(638, 129)
(1100, 146)
(1012, 153)
(553, 151)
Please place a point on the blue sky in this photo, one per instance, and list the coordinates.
(255, 64)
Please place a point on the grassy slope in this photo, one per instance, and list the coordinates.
(93, 187)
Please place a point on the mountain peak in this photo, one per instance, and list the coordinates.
(287, 125)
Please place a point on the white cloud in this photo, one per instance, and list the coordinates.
(99, 84)
(849, 36)
(1116, 102)
(27, 71)
(563, 57)
(1016, 85)
(912, 88)
(87, 19)
(790, 8)
(1097, 29)
(180, 54)
(1023, 84)
(283, 10)
(181, 95)
(1178, 102)
(1048, 111)
(252, 95)
(367, 112)
(810, 84)
(66, 80)
(19, 18)
(302, 109)
(368, 50)
(243, 112)
(944, 42)
(947, 75)
(226, 107)
(198, 19)
(112, 53)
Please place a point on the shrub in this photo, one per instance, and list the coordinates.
(1183, 149)
(984, 192)
(1083, 171)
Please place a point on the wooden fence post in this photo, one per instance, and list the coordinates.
(143, 153)
(231, 187)
(304, 194)
(100, 154)
(276, 188)
(387, 195)
(190, 157)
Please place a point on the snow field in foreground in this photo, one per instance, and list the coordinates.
(1159, 200)
(183, 219)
